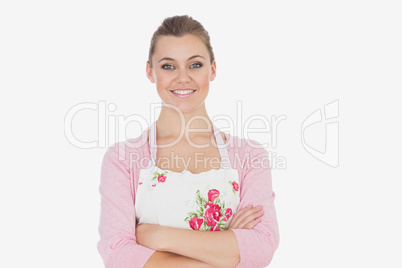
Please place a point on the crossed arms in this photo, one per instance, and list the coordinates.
(123, 244)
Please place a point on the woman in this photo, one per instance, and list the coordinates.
(202, 198)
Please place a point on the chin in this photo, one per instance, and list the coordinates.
(186, 108)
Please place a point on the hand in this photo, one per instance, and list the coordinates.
(148, 235)
(246, 218)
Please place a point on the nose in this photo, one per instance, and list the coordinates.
(182, 76)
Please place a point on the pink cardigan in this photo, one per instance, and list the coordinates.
(119, 180)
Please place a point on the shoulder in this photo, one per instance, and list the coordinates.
(128, 150)
(253, 164)
(245, 146)
(247, 154)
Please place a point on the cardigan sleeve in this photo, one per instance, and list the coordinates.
(117, 245)
(257, 245)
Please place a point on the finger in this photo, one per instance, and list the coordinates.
(249, 225)
(239, 213)
(241, 217)
(252, 224)
(250, 218)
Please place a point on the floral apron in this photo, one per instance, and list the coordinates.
(206, 201)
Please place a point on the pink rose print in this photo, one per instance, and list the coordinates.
(228, 214)
(235, 186)
(213, 194)
(195, 223)
(140, 183)
(212, 214)
(215, 228)
(158, 178)
(161, 178)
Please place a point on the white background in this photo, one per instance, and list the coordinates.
(279, 58)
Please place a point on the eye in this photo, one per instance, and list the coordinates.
(167, 66)
(196, 65)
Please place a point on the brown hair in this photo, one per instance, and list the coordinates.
(179, 26)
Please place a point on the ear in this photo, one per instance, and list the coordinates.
(213, 71)
(149, 72)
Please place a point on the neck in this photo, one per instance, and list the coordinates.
(171, 123)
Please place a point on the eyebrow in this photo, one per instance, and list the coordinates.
(192, 57)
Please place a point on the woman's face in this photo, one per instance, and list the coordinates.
(182, 70)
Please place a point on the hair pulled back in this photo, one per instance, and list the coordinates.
(179, 26)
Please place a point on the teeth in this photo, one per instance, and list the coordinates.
(183, 92)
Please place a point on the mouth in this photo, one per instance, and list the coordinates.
(183, 93)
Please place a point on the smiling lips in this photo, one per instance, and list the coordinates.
(183, 93)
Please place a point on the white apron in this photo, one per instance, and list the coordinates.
(206, 201)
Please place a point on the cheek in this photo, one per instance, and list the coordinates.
(203, 80)
(163, 82)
